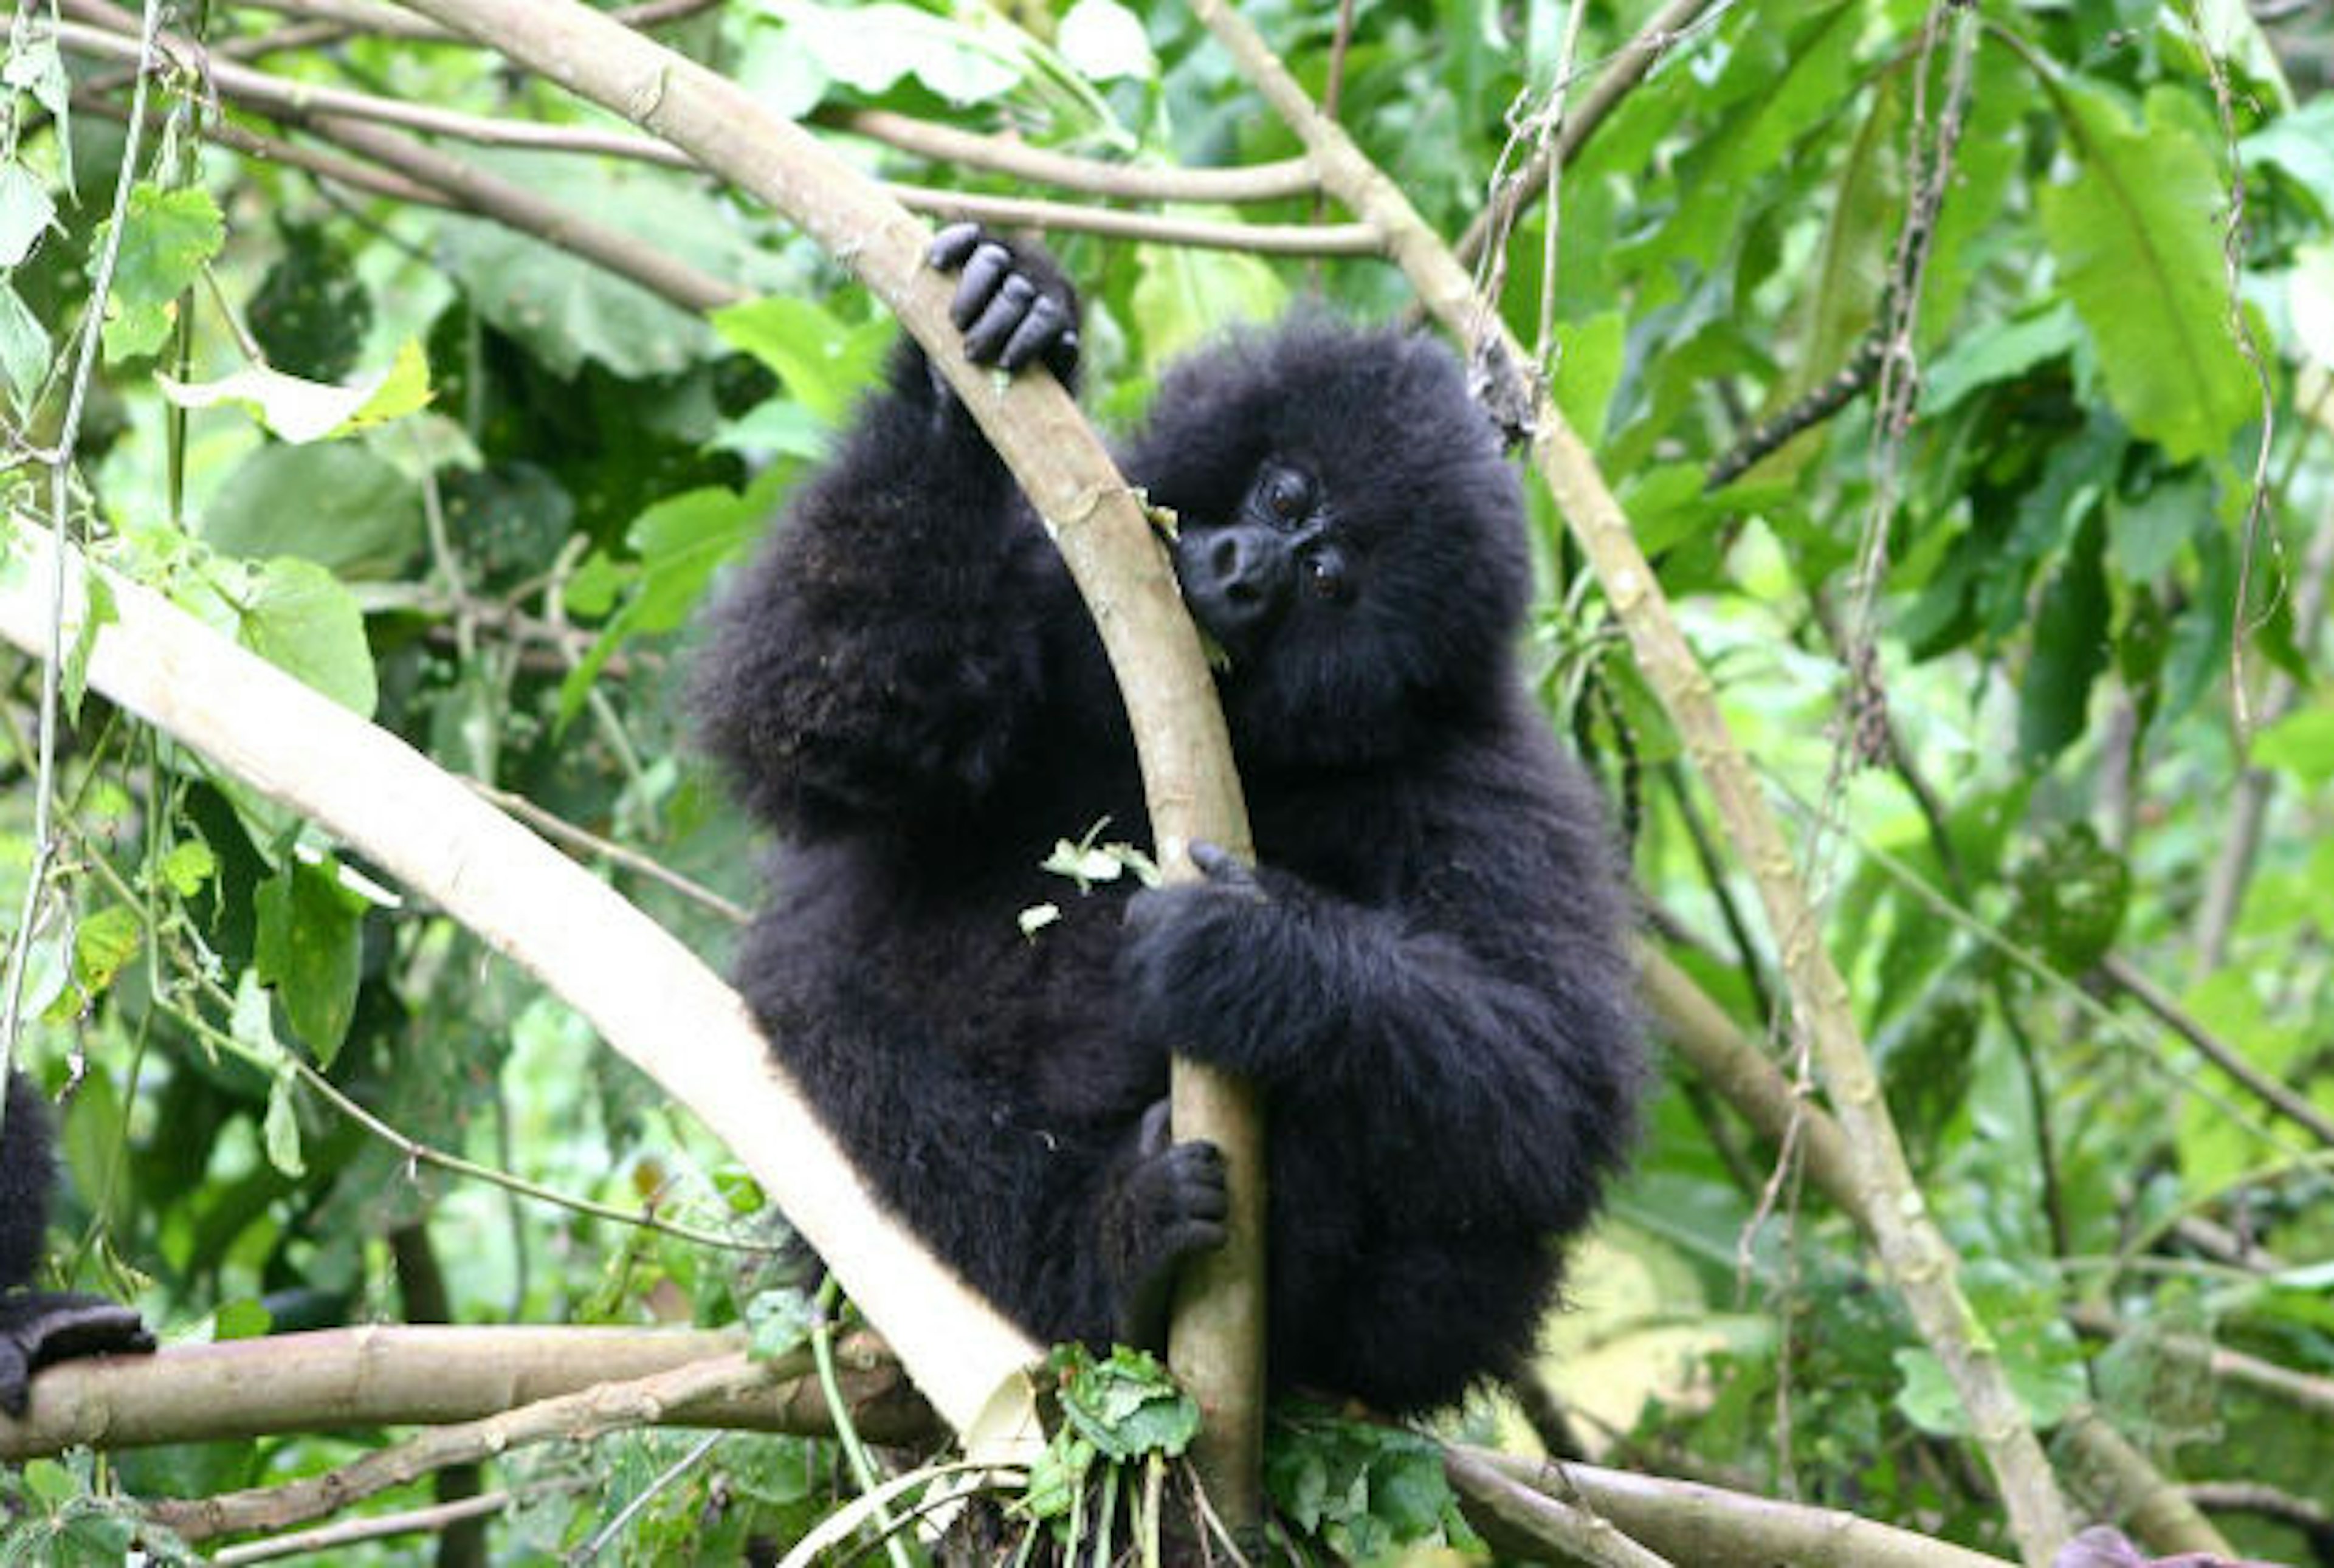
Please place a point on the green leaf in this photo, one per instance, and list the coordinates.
(2301, 744)
(2145, 532)
(27, 212)
(1589, 358)
(98, 612)
(337, 505)
(2310, 300)
(2070, 897)
(1102, 40)
(241, 1319)
(870, 48)
(309, 948)
(1997, 352)
(682, 542)
(2039, 1352)
(280, 1131)
(103, 943)
(2070, 647)
(825, 363)
(2302, 145)
(1183, 296)
(188, 865)
(1127, 1405)
(2139, 253)
(301, 619)
(168, 238)
(567, 311)
(25, 348)
(302, 411)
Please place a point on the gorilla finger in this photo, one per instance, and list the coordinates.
(1214, 861)
(952, 244)
(986, 338)
(13, 1374)
(1225, 869)
(1206, 1201)
(1038, 332)
(989, 266)
(1191, 1235)
(1156, 1130)
(1061, 359)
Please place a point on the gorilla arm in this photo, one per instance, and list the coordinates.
(1480, 1011)
(41, 1327)
(881, 659)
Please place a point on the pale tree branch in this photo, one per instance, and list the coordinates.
(401, 1375)
(356, 121)
(1704, 1527)
(649, 997)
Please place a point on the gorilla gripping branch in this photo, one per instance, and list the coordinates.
(1184, 753)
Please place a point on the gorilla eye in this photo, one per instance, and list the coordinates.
(1287, 495)
(1325, 576)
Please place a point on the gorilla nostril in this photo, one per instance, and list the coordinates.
(1224, 558)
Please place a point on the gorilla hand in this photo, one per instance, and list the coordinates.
(38, 1329)
(1014, 307)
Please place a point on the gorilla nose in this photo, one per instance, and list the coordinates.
(1235, 580)
(1240, 570)
(1245, 571)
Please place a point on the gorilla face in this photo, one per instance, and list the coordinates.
(1281, 550)
(1347, 533)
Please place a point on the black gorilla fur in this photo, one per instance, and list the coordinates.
(1428, 972)
(38, 1327)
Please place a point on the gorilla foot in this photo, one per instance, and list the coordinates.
(1169, 1201)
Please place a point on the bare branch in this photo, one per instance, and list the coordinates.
(2295, 1108)
(649, 997)
(1921, 1263)
(946, 144)
(402, 1376)
(1693, 1523)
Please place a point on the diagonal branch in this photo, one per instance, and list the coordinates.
(649, 997)
(1920, 1261)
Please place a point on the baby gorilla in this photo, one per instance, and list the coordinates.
(38, 1327)
(1428, 972)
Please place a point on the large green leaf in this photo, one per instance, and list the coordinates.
(309, 930)
(167, 238)
(2070, 648)
(337, 505)
(2138, 250)
(825, 363)
(1181, 296)
(303, 621)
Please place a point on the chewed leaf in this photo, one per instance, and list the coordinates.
(300, 411)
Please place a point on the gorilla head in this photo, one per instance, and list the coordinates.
(1347, 531)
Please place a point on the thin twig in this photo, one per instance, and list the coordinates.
(59, 461)
(356, 1532)
(945, 144)
(592, 1413)
(556, 827)
(1631, 64)
(2133, 983)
